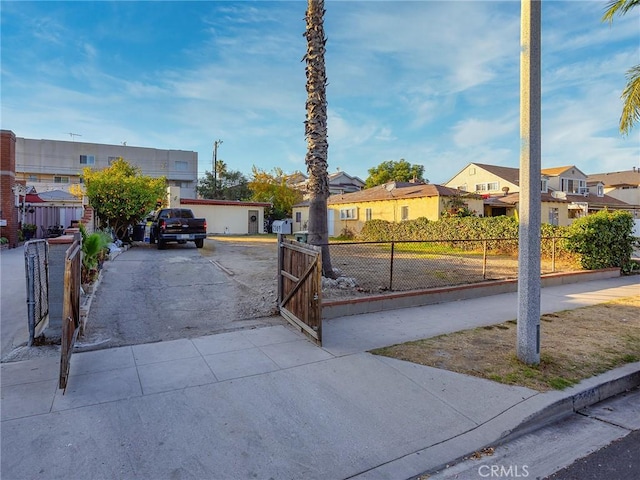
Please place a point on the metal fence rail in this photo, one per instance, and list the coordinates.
(36, 264)
(413, 265)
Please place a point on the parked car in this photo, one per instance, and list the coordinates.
(177, 225)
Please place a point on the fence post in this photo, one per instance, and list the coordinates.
(31, 301)
(484, 260)
(553, 255)
(391, 268)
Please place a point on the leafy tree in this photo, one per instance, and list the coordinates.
(631, 93)
(121, 195)
(315, 131)
(272, 187)
(229, 185)
(390, 171)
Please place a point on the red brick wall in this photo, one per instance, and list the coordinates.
(8, 211)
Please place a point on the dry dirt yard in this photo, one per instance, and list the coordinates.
(575, 344)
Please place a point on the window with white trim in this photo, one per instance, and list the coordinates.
(367, 214)
(404, 213)
(60, 179)
(487, 187)
(572, 185)
(349, 213)
(87, 160)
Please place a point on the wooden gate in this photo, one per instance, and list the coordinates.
(70, 308)
(300, 286)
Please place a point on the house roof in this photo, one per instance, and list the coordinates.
(513, 198)
(235, 203)
(604, 201)
(557, 171)
(616, 179)
(57, 196)
(510, 174)
(395, 191)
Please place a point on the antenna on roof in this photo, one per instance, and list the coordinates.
(73, 135)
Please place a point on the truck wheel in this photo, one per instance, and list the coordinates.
(199, 242)
(161, 245)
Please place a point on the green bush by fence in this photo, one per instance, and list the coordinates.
(604, 239)
(597, 241)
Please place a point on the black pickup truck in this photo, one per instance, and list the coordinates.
(177, 225)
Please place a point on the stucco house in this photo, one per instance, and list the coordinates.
(564, 193)
(393, 202)
(623, 186)
(223, 216)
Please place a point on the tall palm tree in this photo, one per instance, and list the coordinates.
(315, 130)
(631, 93)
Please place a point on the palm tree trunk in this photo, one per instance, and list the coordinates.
(316, 132)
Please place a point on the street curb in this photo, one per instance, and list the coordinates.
(529, 415)
(586, 393)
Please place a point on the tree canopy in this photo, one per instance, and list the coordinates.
(390, 171)
(272, 187)
(227, 184)
(121, 195)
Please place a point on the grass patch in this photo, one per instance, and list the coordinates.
(575, 345)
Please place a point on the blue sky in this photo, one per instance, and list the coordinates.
(433, 82)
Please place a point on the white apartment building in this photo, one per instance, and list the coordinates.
(55, 164)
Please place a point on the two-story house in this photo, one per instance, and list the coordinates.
(564, 192)
(623, 186)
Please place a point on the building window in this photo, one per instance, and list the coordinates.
(554, 214)
(181, 166)
(298, 217)
(600, 190)
(472, 171)
(60, 179)
(462, 188)
(110, 160)
(348, 213)
(33, 178)
(570, 185)
(487, 187)
(178, 183)
(367, 214)
(543, 185)
(87, 160)
(404, 213)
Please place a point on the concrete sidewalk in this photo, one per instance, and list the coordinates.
(267, 403)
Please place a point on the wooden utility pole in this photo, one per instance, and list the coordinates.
(528, 348)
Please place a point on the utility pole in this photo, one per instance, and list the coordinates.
(216, 144)
(528, 343)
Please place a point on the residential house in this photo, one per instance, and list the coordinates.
(57, 164)
(623, 186)
(223, 216)
(339, 182)
(393, 202)
(563, 190)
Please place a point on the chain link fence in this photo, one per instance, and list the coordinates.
(36, 265)
(376, 267)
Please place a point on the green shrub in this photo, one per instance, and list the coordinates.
(603, 240)
(93, 249)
